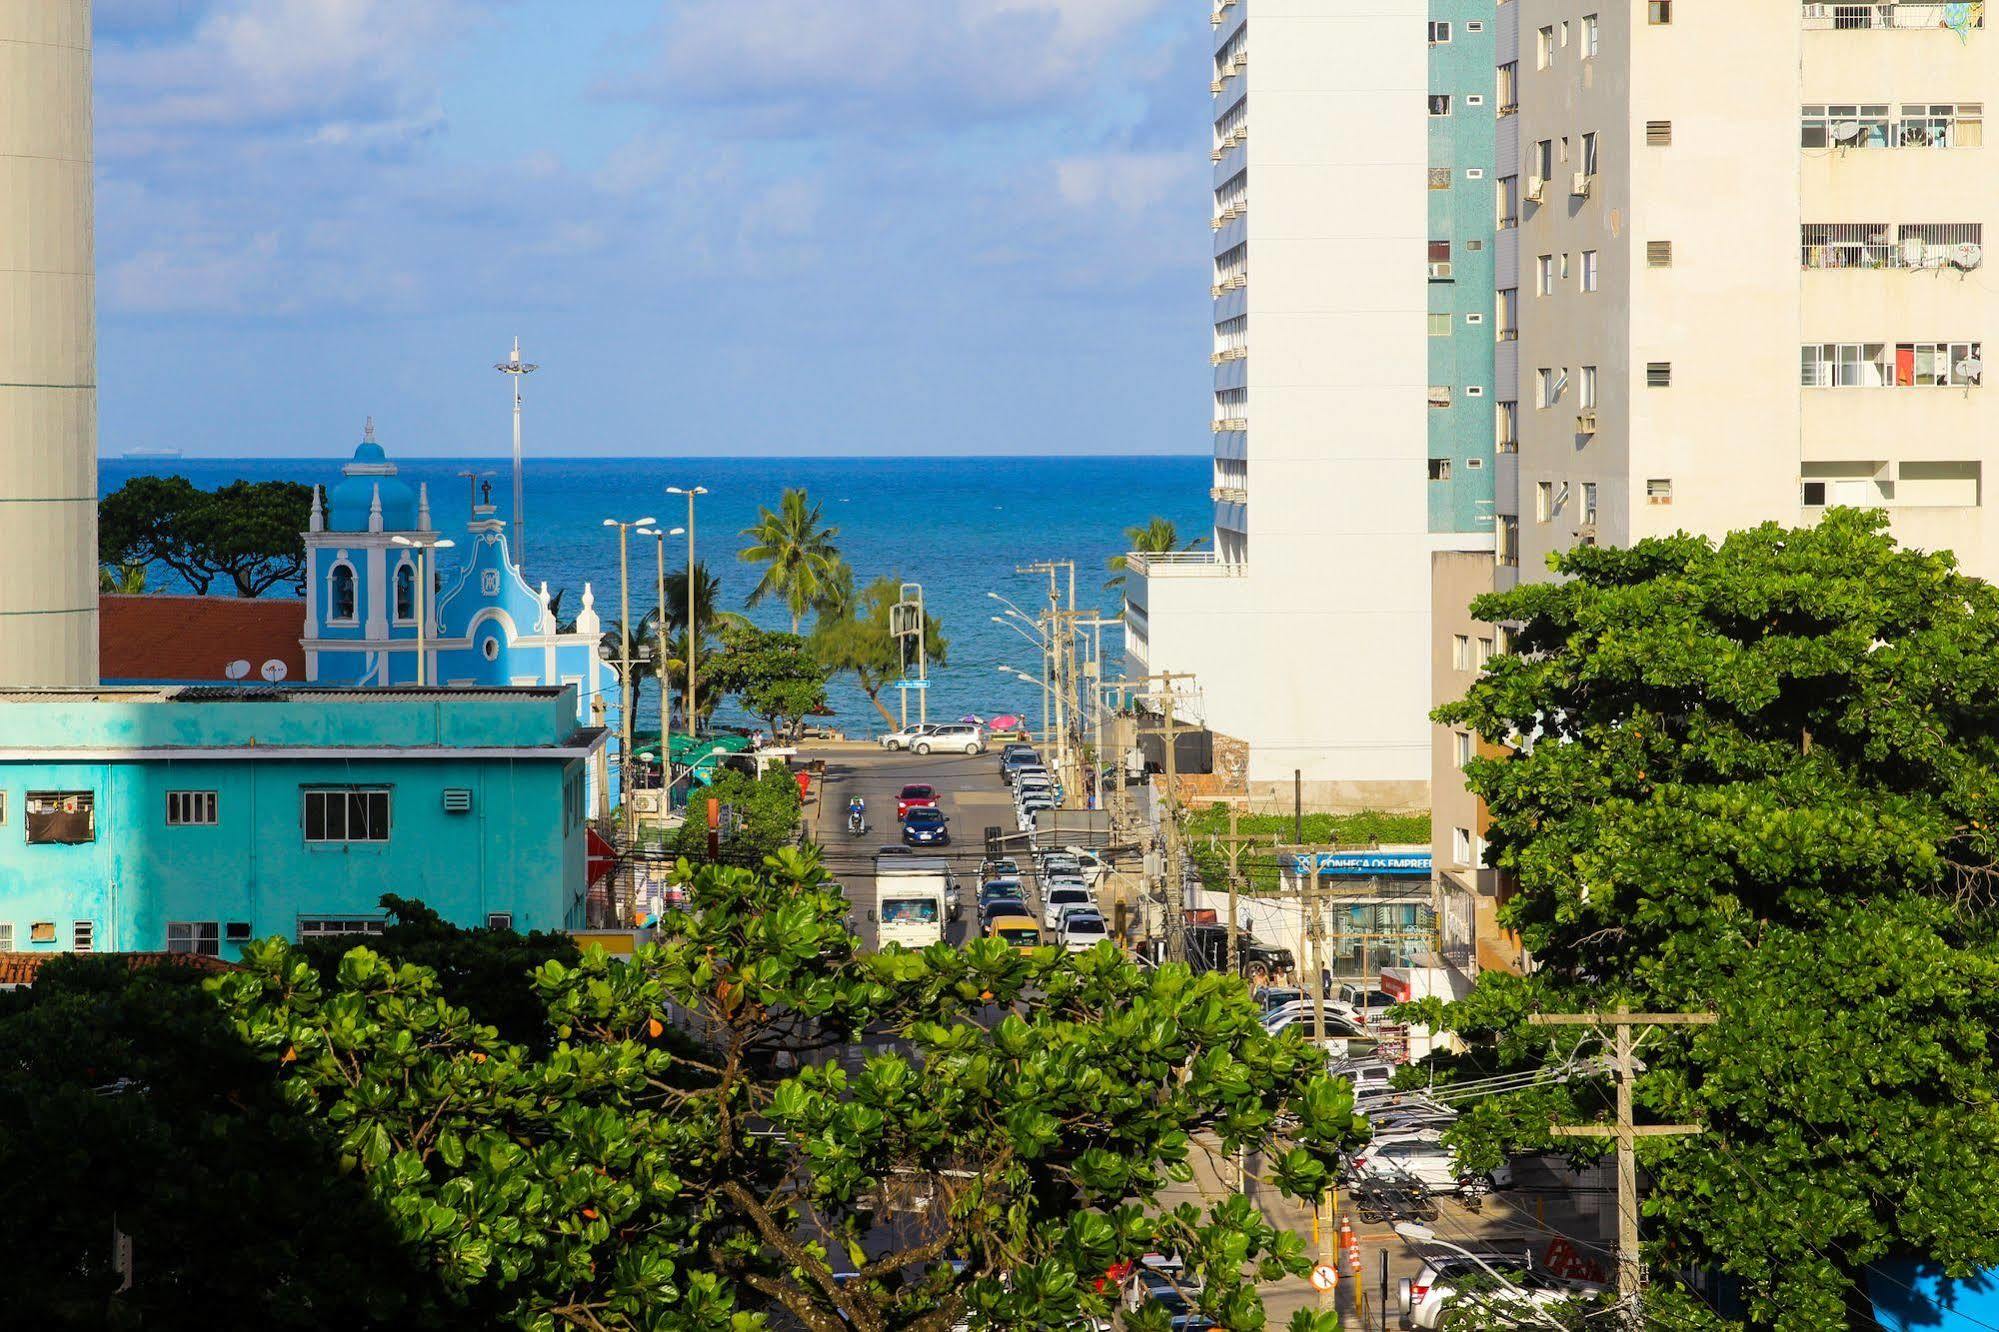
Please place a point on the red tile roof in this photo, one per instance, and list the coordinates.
(20, 968)
(157, 637)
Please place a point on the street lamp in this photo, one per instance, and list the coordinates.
(625, 674)
(693, 630)
(665, 705)
(424, 572)
(1409, 1230)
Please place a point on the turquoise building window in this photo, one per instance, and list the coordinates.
(346, 815)
(340, 599)
(406, 592)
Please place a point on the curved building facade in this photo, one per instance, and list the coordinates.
(48, 348)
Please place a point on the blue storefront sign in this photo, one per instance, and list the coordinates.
(1366, 864)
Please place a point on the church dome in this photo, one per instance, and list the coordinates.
(351, 499)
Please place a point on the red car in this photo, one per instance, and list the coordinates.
(913, 796)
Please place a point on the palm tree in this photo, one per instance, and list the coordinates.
(124, 580)
(1158, 537)
(855, 635)
(799, 558)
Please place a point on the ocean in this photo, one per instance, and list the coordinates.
(959, 526)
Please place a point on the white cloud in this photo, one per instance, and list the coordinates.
(1126, 182)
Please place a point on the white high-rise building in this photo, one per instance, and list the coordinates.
(48, 348)
(1306, 624)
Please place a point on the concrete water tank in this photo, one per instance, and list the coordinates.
(48, 348)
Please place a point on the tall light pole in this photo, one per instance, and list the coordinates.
(425, 577)
(665, 703)
(693, 611)
(625, 666)
(517, 369)
(1041, 637)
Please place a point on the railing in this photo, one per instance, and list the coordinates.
(1911, 245)
(1959, 18)
(1228, 423)
(1184, 561)
(1509, 335)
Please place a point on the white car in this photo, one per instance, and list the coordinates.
(1421, 1158)
(954, 737)
(1060, 900)
(1447, 1278)
(905, 738)
(1082, 931)
(1361, 1004)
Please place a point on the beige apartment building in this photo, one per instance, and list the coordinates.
(1741, 277)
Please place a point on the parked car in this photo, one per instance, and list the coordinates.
(1082, 930)
(954, 737)
(906, 737)
(1361, 1004)
(1427, 1298)
(926, 825)
(1000, 908)
(1370, 1077)
(1058, 900)
(914, 796)
(1424, 1159)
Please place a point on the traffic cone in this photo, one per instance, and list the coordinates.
(1349, 1248)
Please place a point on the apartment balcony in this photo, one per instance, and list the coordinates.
(1820, 15)
(1221, 11)
(1177, 564)
(1228, 494)
(1228, 423)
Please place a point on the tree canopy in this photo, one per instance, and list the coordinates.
(693, 1153)
(797, 550)
(247, 533)
(859, 639)
(1158, 536)
(774, 674)
(1761, 778)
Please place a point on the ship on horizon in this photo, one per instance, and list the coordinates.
(151, 455)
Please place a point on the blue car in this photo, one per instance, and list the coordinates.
(926, 825)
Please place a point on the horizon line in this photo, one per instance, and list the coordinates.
(664, 457)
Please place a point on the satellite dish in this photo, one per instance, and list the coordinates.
(274, 670)
(1846, 131)
(1970, 367)
(1968, 255)
(237, 670)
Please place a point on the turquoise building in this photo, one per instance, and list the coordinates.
(366, 620)
(1463, 324)
(196, 818)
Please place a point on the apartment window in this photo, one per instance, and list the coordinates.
(1440, 469)
(1440, 178)
(7, 937)
(1658, 12)
(1544, 275)
(1440, 261)
(1440, 32)
(337, 927)
(1916, 245)
(1658, 254)
(1589, 386)
(1590, 36)
(1658, 134)
(1509, 88)
(1589, 270)
(1544, 158)
(1440, 395)
(1544, 387)
(1658, 374)
(1506, 428)
(1440, 104)
(1484, 652)
(1845, 125)
(190, 809)
(1544, 501)
(340, 597)
(203, 937)
(1461, 652)
(499, 920)
(1506, 542)
(1890, 365)
(1440, 326)
(83, 935)
(346, 814)
(1507, 196)
(1659, 490)
(1461, 847)
(1565, 34)
(1544, 47)
(61, 818)
(1942, 125)
(1565, 266)
(1461, 748)
(1589, 503)
(237, 931)
(1589, 153)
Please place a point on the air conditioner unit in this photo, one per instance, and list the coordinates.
(1216, 155)
(1440, 271)
(1585, 423)
(1580, 186)
(1216, 86)
(1536, 187)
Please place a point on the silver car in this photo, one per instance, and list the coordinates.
(954, 738)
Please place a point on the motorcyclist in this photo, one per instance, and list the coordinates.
(857, 816)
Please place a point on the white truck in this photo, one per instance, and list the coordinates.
(913, 898)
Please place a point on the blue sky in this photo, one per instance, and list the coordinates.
(720, 226)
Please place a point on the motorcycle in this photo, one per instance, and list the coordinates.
(857, 818)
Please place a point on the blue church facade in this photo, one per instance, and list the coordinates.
(365, 612)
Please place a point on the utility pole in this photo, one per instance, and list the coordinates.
(1176, 885)
(1315, 926)
(1629, 1271)
(516, 369)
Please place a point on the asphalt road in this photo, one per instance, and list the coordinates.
(971, 793)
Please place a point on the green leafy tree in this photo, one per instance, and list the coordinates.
(646, 663)
(765, 818)
(1758, 778)
(856, 636)
(1007, 1151)
(801, 562)
(247, 533)
(775, 675)
(124, 580)
(1159, 536)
